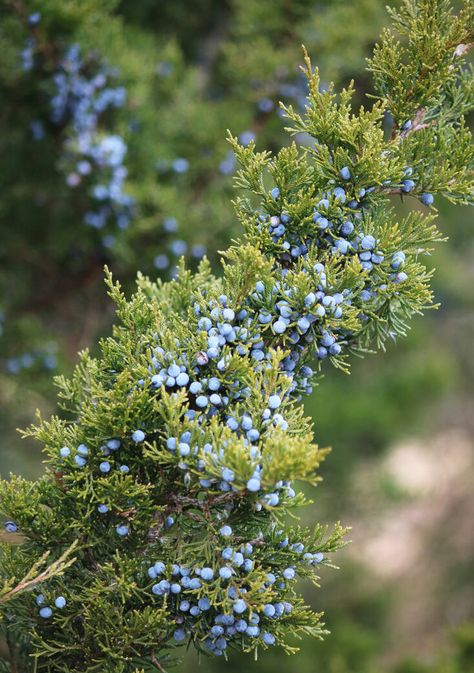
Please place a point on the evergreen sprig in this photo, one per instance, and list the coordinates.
(174, 462)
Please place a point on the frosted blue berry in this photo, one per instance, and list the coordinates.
(202, 401)
(46, 612)
(195, 387)
(10, 527)
(34, 19)
(204, 603)
(227, 553)
(252, 631)
(309, 299)
(347, 228)
(368, 242)
(184, 449)
(64, 452)
(268, 638)
(408, 186)
(427, 199)
(179, 635)
(214, 383)
(159, 567)
(161, 588)
(80, 461)
(207, 574)
(104, 467)
(268, 610)
(122, 530)
(398, 259)
(340, 194)
(275, 193)
(274, 401)
(60, 602)
(171, 443)
(238, 559)
(253, 485)
(239, 606)
(246, 137)
(345, 173)
(225, 573)
(82, 450)
(226, 531)
(289, 573)
(279, 327)
(138, 436)
(182, 379)
(241, 626)
(102, 509)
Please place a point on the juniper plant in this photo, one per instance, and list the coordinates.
(175, 463)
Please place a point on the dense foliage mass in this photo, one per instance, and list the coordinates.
(82, 149)
(175, 464)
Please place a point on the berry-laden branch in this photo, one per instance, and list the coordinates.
(177, 460)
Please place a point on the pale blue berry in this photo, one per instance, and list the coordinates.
(60, 602)
(268, 638)
(122, 530)
(253, 485)
(274, 401)
(225, 573)
(345, 173)
(207, 574)
(239, 606)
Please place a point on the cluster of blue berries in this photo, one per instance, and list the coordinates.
(80, 454)
(177, 247)
(211, 604)
(30, 360)
(83, 93)
(408, 185)
(338, 231)
(299, 322)
(97, 158)
(46, 610)
(106, 465)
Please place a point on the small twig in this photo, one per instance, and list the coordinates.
(157, 663)
(31, 579)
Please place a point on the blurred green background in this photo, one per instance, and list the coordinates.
(402, 425)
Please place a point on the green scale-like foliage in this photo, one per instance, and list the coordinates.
(173, 466)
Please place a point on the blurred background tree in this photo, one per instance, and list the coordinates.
(402, 426)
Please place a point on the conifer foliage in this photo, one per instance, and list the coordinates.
(175, 464)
